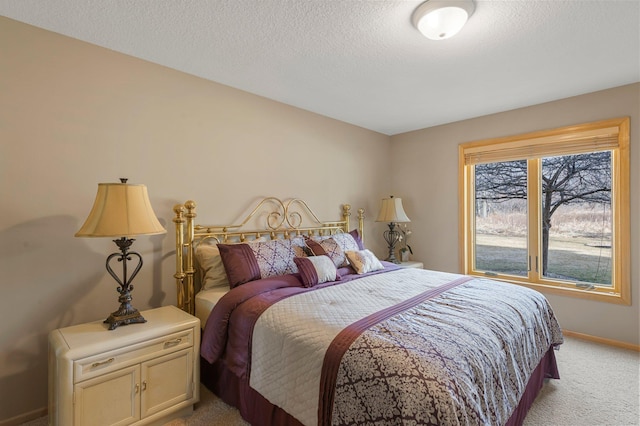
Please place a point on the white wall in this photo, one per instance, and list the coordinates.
(425, 173)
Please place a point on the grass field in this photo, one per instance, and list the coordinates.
(572, 258)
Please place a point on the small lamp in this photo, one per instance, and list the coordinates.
(441, 19)
(392, 211)
(122, 210)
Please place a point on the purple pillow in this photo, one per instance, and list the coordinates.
(249, 262)
(328, 247)
(316, 270)
(334, 246)
(356, 236)
(239, 263)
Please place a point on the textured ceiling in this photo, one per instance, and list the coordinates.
(361, 61)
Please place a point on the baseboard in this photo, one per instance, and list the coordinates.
(602, 340)
(25, 417)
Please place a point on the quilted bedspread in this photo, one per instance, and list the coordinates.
(408, 346)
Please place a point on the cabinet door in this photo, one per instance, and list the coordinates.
(112, 399)
(166, 381)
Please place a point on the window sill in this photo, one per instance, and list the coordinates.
(568, 290)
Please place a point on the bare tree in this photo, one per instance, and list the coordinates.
(567, 179)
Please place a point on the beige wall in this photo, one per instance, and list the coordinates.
(73, 115)
(424, 165)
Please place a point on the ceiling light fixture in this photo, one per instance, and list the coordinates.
(441, 19)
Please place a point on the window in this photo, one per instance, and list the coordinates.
(550, 210)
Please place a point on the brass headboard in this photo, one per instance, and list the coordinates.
(283, 220)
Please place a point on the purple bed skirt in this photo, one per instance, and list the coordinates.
(258, 411)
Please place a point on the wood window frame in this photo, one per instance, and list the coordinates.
(613, 135)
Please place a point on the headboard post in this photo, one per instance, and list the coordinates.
(346, 213)
(179, 220)
(361, 223)
(190, 270)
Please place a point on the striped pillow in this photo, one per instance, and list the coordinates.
(250, 262)
(316, 270)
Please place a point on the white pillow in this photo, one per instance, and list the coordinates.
(363, 261)
(316, 270)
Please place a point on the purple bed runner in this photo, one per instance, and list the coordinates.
(346, 337)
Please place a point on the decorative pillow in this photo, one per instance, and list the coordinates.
(275, 257)
(335, 245)
(316, 270)
(239, 263)
(364, 261)
(328, 247)
(249, 262)
(356, 236)
(210, 267)
(346, 241)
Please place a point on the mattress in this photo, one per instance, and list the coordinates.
(206, 300)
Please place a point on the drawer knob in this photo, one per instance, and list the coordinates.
(173, 342)
(98, 364)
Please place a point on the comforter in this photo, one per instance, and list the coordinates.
(401, 346)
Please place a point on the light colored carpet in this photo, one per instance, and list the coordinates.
(599, 385)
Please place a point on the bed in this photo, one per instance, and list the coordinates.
(304, 325)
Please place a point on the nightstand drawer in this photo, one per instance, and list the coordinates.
(116, 359)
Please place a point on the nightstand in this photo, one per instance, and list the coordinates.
(136, 374)
(411, 264)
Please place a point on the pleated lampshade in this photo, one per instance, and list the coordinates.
(392, 211)
(121, 210)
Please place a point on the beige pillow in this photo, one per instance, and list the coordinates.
(363, 261)
(210, 267)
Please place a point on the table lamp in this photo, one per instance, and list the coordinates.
(122, 210)
(392, 212)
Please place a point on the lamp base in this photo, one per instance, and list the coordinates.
(393, 259)
(391, 236)
(124, 316)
